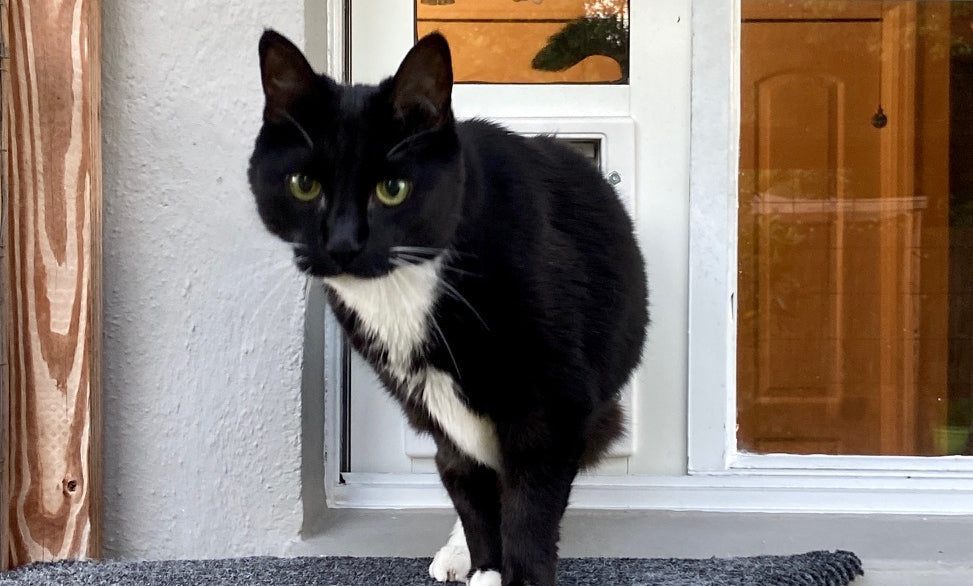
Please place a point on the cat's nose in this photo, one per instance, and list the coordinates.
(343, 250)
(345, 238)
(343, 257)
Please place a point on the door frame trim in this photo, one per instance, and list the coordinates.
(808, 492)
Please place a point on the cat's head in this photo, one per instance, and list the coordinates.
(352, 175)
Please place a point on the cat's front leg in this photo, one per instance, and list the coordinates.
(452, 562)
(474, 490)
(535, 489)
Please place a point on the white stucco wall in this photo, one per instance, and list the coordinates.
(202, 310)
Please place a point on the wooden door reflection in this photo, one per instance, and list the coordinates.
(842, 231)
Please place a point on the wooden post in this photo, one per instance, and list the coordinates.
(51, 280)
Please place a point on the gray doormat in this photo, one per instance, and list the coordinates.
(818, 568)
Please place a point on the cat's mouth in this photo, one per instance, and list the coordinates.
(315, 265)
(365, 266)
(306, 265)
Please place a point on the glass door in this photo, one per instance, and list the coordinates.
(854, 238)
(538, 67)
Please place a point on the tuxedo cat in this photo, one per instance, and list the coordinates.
(492, 281)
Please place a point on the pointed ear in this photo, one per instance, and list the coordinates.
(285, 73)
(422, 86)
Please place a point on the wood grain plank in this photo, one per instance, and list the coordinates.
(518, 11)
(501, 52)
(811, 10)
(51, 281)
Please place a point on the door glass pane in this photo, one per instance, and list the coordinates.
(855, 284)
(531, 41)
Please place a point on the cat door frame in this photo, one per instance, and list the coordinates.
(696, 380)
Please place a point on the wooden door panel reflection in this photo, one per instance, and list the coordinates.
(829, 276)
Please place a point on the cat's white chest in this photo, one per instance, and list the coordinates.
(395, 310)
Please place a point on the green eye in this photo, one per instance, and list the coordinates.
(303, 188)
(393, 191)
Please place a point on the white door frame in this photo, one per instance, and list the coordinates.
(611, 112)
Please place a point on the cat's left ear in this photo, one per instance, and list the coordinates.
(285, 73)
(422, 86)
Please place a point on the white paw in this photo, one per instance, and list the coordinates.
(485, 578)
(452, 561)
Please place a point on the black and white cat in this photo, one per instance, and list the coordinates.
(492, 281)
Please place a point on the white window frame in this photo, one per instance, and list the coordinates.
(919, 484)
(716, 477)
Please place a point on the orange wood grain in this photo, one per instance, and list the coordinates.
(501, 52)
(843, 316)
(811, 9)
(524, 10)
(494, 41)
(932, 134)
(51, 280)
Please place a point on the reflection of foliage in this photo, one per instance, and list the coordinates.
(961, 9)
(582, 38)
(961, 50)
(961, 210)
(961, 47)
(959, 412)
(782, 235)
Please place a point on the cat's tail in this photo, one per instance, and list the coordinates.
(605, 426)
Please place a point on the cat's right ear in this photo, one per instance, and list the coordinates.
(285, 73)
(422, 87)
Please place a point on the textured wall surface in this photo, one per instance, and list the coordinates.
(203, 310)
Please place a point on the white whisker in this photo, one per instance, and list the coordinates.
(400, 260)
(273, 294)
(452, 292)
(401, 284)
(442, 337)
(461, 272)
(411, 258)
(430, 252)
(258, 265)
(418, 260)
(307, 136)
(418, 250)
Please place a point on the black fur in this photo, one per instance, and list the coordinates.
(539, 246)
